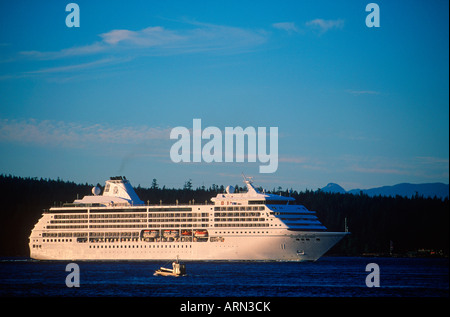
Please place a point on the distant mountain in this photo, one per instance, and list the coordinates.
(333, 188)
(439, 190)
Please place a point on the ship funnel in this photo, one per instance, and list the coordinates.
(119, 186)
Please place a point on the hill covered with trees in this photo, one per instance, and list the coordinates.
(376, 223)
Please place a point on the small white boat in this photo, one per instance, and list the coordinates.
(178, 269)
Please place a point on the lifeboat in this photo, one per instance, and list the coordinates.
(150, 234)
(201, 233)
(170, 233)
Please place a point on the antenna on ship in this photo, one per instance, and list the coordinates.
(247, 180)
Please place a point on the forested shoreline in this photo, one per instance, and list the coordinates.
(378, 225)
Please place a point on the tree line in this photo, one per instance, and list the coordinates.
(377, 224)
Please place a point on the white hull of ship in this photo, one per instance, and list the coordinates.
(291, 246)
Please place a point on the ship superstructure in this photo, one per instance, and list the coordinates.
(117, 225)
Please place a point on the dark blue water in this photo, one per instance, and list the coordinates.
(328, 277)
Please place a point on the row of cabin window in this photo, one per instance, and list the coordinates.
(238, 219)
(150, 246)
(133, 215)
(239, 208)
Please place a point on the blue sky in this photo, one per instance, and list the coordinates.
(361, 107)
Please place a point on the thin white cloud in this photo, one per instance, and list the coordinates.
(432, 160)
(75, 135)
(433, 167)
(372, 170)
(421, 167)
(304, 162)
(94, 48)
(76, 67)
(293, 159)
(325, 25)
(122, 45)
(286, 26)
(69, 69)
(157, 40)
(151, 36)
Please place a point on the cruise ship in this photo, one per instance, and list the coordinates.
(117, 225)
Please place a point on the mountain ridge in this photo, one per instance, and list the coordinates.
(409, 190)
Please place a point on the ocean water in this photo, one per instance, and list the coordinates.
(328, 277)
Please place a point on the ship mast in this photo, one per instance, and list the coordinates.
(249, 182)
